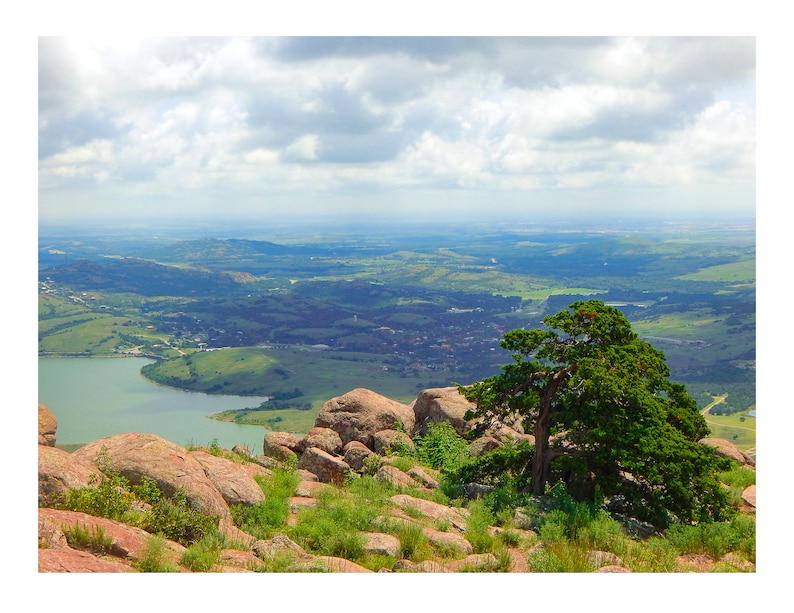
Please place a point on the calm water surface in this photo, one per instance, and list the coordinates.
(96, 397)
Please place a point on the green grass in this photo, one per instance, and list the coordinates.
(742, 271)
(154, 558)
(94, 540)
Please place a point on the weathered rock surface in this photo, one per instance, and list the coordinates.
(726, 449)
(127, 542)
(748, 497)
(281, 446)
(356, 454)
(233, 480)
(382, 544)
(360, 413)
(434, 510)
(47, 426)
(422, 477)
(172, 467)
(448, 539)
(482, 445)
(393, 475)
(60, 472)
(473, 561)
(75, 561)
(328, 468)
(322, 438)
(384, 441)
(355, 427)
(441, 404)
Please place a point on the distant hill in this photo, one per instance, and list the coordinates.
(138, 276)
(205, 249)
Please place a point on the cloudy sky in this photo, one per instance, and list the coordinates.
(414, 127)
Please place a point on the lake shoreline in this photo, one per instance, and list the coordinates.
(97, 396)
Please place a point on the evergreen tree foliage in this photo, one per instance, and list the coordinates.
(605, 416)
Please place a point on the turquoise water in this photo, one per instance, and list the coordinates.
(96, 397)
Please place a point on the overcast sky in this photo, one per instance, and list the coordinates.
(401, 127)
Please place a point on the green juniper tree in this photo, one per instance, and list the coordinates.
(603, 412)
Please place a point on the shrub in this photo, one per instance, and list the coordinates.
(477, 524)
(109, 498)
(441, 448)
(601, 533)
(203, 555)
(147, 490)
(510, 538)
(715, 538)
(176, 520)
(504, 465)
(264, 518)
(737, 479)
(153, 559)
(199, 559)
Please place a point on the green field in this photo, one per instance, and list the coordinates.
(735, 272)
(739, 428)
(69, 328)
(317, 375)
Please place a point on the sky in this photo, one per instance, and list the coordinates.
(414, 128)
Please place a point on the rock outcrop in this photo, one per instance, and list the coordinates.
(47, 426)
(173, 468)
(59, 472)
(443, 404)
(726, 449)
(353, 433)
(360, 413)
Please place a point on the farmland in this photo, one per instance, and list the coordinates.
(302, 317)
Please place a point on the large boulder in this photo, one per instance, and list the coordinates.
(386, 441)
(233, 480)
(59, 472)
(173, 468)
(328, 468)
(726, 449)
(47, 426)
(748, 498)
(456, 517)
(281, 446)
(323, 438)
(441, 404)
(356, 454)
(360, 413)
(393, 475)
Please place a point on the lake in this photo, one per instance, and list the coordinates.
(95, 397)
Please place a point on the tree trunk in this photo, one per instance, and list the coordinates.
(540, 459)
(539, 464)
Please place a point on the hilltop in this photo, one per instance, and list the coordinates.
(367, 489)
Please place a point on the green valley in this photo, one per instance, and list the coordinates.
(305, 315)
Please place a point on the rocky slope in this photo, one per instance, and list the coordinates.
(352, 432)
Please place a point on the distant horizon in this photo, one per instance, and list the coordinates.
(338, 221)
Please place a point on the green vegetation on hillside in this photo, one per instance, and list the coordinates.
(397, 309)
